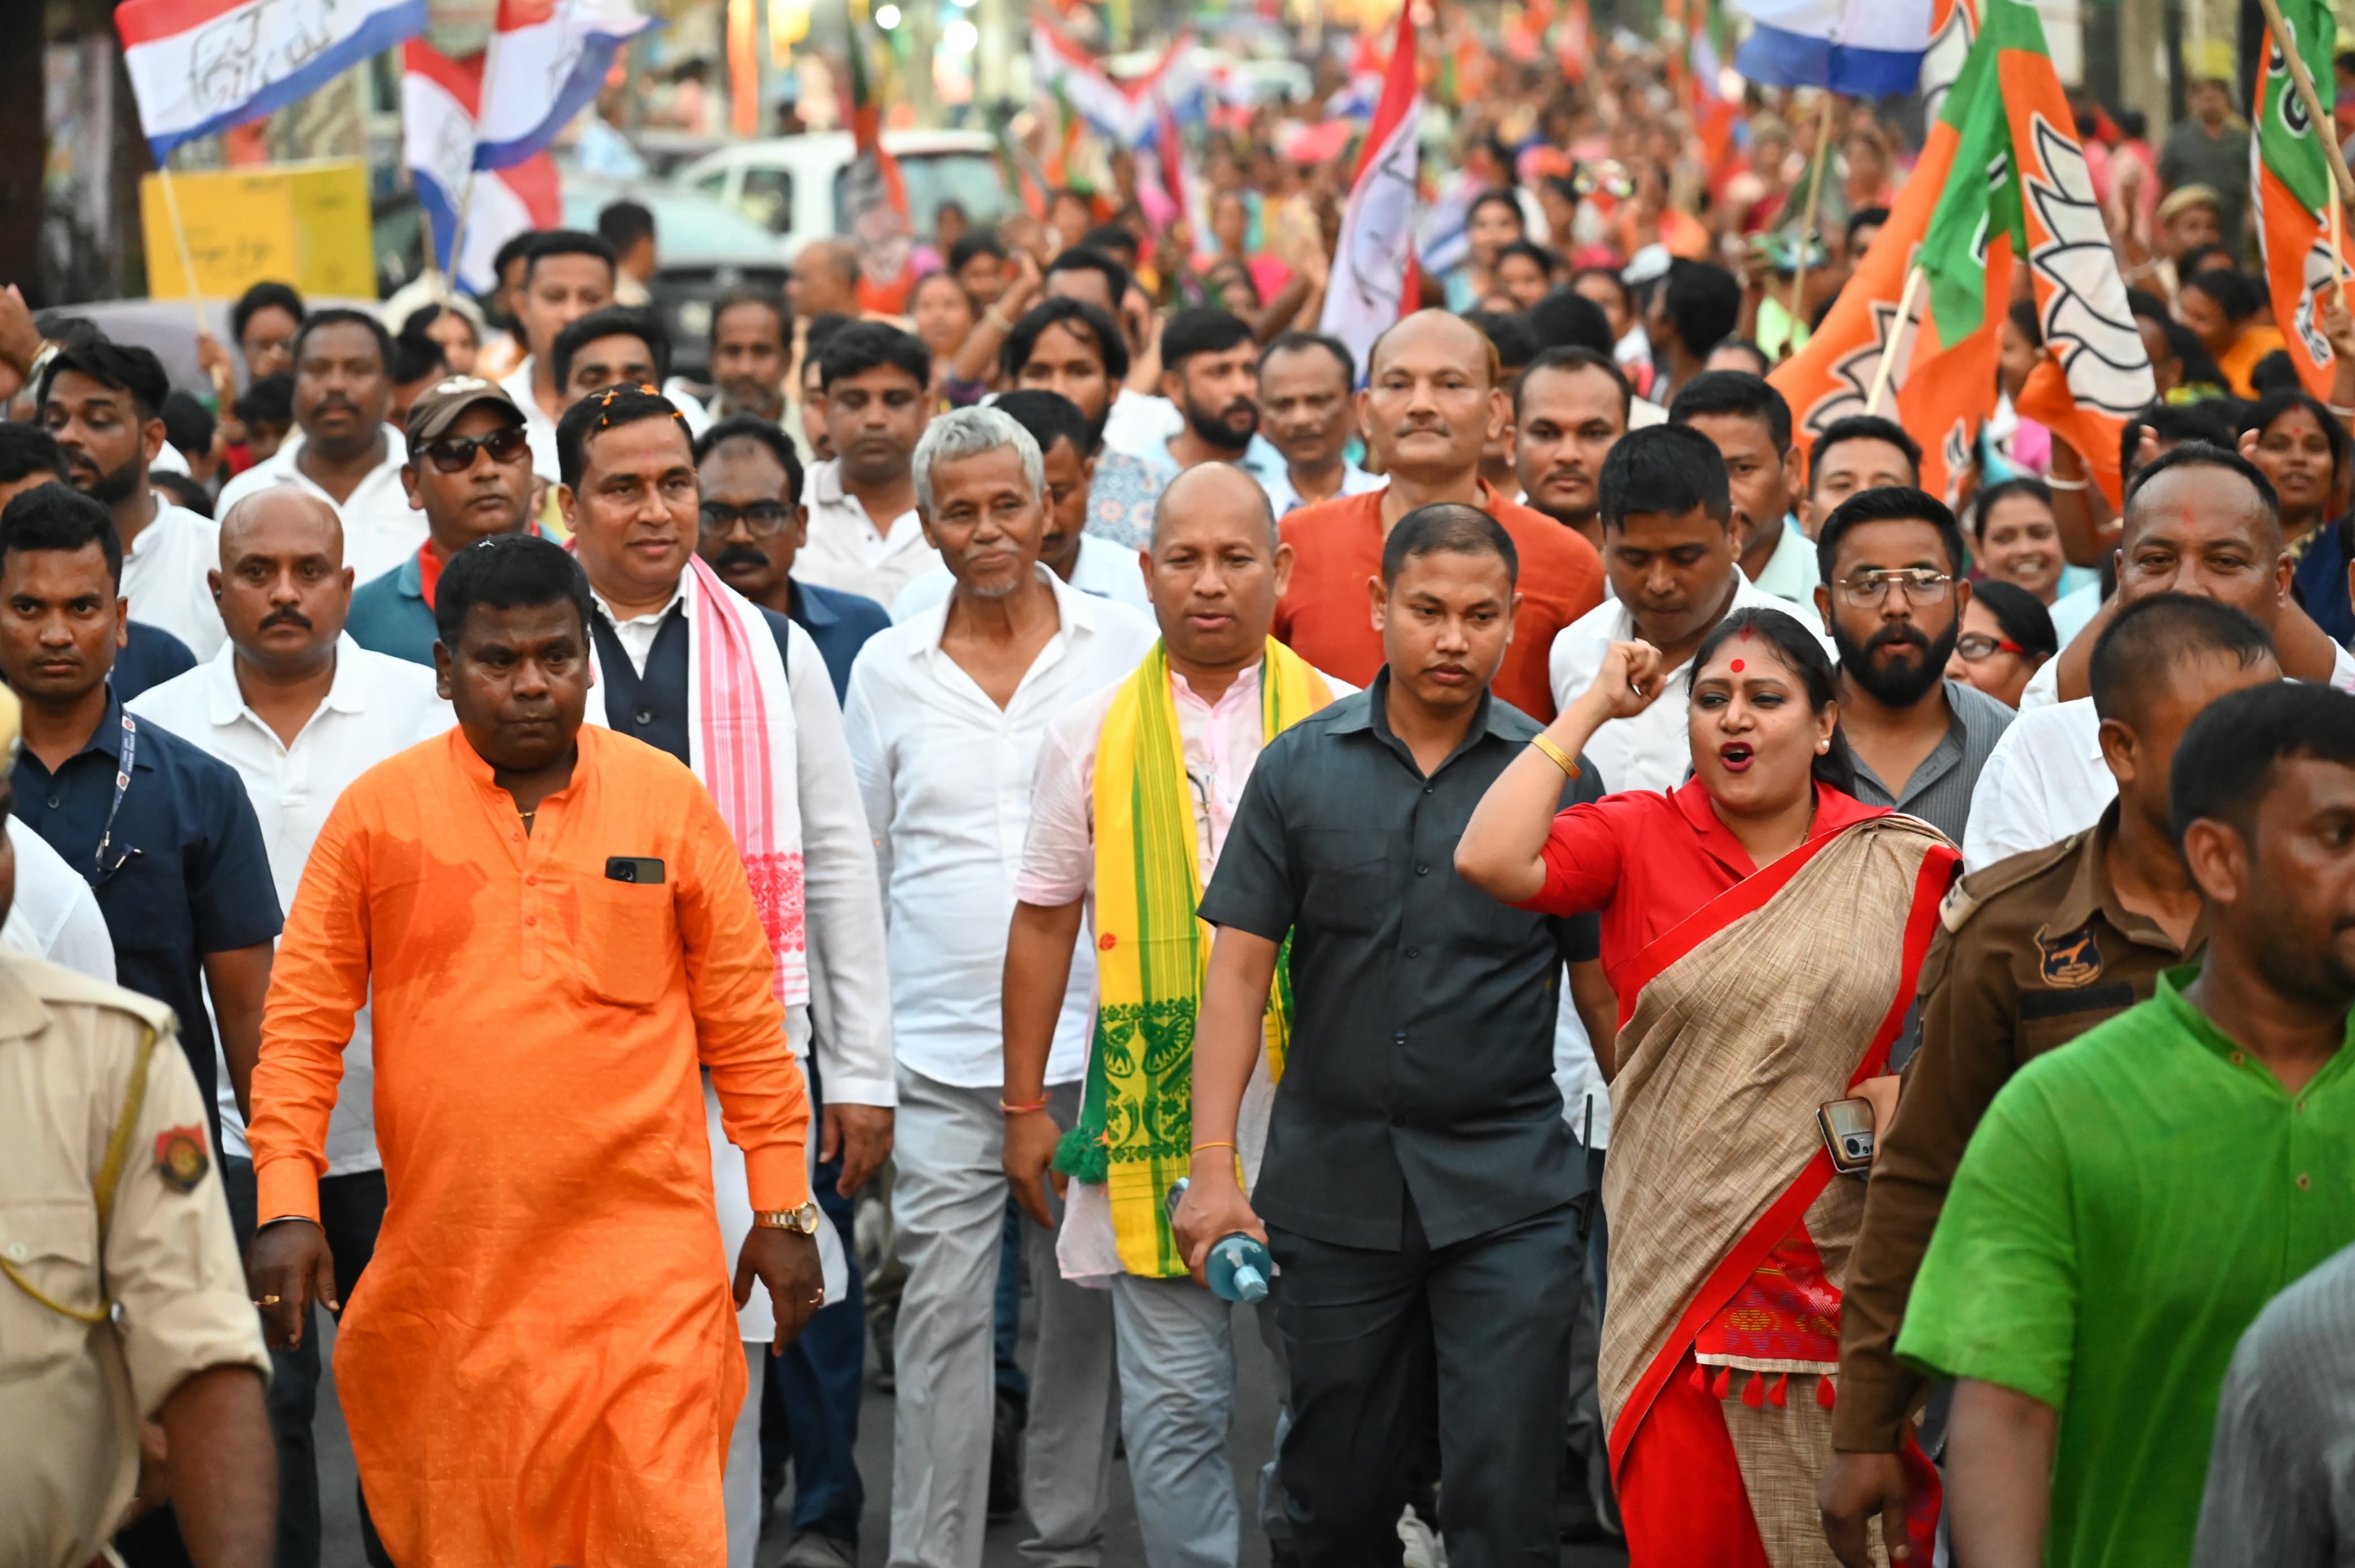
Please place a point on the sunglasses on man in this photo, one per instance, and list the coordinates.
(455, 453)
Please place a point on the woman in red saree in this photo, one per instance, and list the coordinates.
(1763, 930)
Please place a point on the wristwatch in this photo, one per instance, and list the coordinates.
(803, 1219)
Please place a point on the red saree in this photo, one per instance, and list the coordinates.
(1730, 1234)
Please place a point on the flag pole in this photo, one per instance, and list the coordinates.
(2325, 129)
(458, 238)
(1887, 367)
(1815, 202)
(180, 237)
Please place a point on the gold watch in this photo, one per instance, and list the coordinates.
(803, 1219)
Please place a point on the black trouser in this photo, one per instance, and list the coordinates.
(351, 1211)
(1369, 1334)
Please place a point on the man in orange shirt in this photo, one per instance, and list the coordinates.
(1432, 403)
(542, 1363)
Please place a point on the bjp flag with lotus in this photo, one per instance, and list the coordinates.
(2002, 182)
(2291, 173)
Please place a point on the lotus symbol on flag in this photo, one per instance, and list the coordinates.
(2307, 322)
(2088, 325)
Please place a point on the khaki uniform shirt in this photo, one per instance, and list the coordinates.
(72, 1393)
(2035, 951)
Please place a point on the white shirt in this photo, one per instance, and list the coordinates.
(1141, 425)
(2044, 688)
(55, 916)
(1104, 569)
(376, 707)
(164, 577)
(849, 1008)
(1222, 741)
(1652, 750)
(2044, 780)
(2073, 609)
(537, 428)
(845, 549)
(947, 776)
(1284, 496)
(1791, 574)
(380, 531)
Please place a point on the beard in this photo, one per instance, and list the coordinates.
(111, 489)
(1896, 685)
(1215, 429)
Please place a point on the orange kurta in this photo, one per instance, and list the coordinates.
(540, 1365)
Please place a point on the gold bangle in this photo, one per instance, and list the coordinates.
(1200, 1147)
(1555, 754)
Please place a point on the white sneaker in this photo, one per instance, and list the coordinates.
(1423, 1547)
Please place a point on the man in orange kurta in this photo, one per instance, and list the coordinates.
(540, 1365)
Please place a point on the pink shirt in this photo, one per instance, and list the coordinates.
(1222, 741)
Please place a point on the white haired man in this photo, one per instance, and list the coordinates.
(946, 715)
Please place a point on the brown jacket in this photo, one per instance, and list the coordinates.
(2036, 950)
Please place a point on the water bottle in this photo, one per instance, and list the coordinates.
(1238, 1266)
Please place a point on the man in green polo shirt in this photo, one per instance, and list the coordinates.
(2133, 1199)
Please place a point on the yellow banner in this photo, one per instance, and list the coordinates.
(305, 224)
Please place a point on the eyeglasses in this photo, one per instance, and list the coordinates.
(455, 453)
(1976, 645)
(761, 520)
(1922, 585)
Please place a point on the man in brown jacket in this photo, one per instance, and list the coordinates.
(2036, 950)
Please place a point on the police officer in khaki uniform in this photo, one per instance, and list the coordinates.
(2036, 950)
(121, 1297)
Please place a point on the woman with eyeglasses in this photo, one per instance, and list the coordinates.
(2007, 636)
(1763, 929)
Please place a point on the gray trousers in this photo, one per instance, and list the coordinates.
(948, 1202)
(1177, 1405)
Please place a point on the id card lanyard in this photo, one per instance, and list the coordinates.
(100, 870)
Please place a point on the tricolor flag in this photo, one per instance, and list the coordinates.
(439, 97)
(877, 197)
(1121, 111)
(2290, 171)
(1870, 48)
(545, 64)
(202, 66)
(2002, 179)
(1373, 262)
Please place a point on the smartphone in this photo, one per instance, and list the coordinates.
(634, 868)
(1847, 1126)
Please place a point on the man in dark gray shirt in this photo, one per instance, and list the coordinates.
(1891, 596)
(2210, 146)
(2279, 1490)
(1417, 1186)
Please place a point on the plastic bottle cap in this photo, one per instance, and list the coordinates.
(1249, 1285)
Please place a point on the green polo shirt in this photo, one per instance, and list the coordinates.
(2130, 1203)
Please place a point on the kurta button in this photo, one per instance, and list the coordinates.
(1414, 951)
(19, 1252)
(53, 803)
(2304, 1183)
(1423, 870)
(645, 716)
(531, 920)
(2236, 1059)
(531, 881)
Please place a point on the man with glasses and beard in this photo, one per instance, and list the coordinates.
(1892, 597)
(1209, 370)
(469, 471)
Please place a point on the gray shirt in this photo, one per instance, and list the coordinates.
(1939, 793)
(1422, 1010)
(2281, 1476)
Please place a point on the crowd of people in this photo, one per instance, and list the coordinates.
(655, 898)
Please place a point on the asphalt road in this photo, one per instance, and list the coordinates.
(1254, 1432)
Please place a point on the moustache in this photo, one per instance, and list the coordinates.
(741, 555)
(1897, 636)
(1423, 427)
(285, 618)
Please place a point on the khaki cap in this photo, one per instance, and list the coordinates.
(438, 407)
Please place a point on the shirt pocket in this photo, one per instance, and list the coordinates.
(629, 941)
(50, 1244)
(1348, 877)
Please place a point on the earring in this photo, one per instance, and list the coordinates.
(1822, 746)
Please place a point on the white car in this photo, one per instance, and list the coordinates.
(798, 186)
